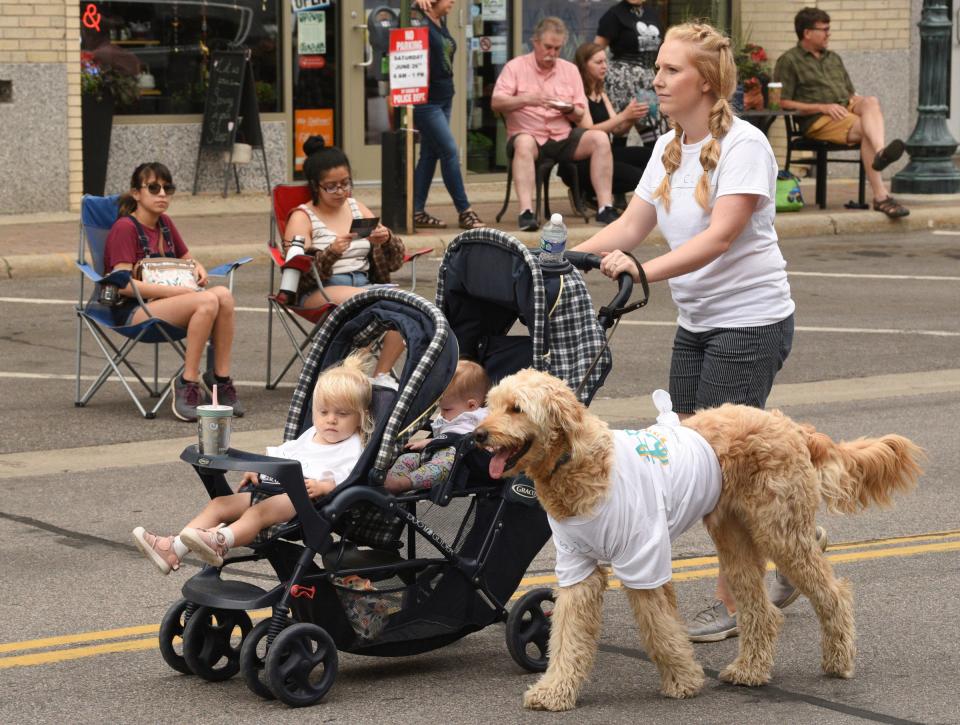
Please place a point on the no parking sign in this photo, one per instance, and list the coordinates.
(409, 66)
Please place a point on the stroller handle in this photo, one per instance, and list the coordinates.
(584, 261)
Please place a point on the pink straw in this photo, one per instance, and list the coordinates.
(214, 394)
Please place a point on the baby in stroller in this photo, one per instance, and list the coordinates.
(327, 452)
(461, 411)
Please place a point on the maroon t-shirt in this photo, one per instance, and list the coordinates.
(123, 243)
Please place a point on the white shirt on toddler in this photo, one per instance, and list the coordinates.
(318, 458)
(664, 479)
(466, 422)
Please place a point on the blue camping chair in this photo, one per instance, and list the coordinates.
(97, 216)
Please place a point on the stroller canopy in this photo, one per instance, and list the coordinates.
(488, 280)
(431, 360)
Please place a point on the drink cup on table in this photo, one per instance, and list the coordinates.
(774, 89)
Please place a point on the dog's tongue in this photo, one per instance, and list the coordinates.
(497, 463)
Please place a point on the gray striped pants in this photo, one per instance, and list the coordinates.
(727, 365)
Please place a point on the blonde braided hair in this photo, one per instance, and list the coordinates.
(713, 59)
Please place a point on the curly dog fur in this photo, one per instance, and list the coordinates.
(775, 474)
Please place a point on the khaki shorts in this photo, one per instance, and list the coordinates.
(831, 131)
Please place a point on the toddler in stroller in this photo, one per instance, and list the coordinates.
(327, 452)
(461, 411)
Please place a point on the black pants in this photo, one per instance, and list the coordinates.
(628, 165)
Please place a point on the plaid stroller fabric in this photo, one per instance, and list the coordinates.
(410, 387)
(575, 336)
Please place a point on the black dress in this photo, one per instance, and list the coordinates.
(628, 161)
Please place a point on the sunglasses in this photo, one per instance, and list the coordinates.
(343, 186)
(154, 188)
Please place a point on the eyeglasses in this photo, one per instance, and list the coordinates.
(343, 186)
(825, 30)
(154, 188)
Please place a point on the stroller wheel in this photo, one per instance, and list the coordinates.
(171, 630)
(301, 664)
(528, 629)
(211, 642)
(252, 661)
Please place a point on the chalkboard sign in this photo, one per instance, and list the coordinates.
(231, 113)
(224, 93)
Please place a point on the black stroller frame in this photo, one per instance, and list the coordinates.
(428, 601)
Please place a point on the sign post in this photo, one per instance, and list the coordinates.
(409, 86)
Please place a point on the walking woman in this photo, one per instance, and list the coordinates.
(143, 230)
(432, 120)
(632, 33)
(711, 188)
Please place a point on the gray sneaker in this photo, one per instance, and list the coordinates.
(782, 592)
(226, 393)
(185, 399)
(713, 624)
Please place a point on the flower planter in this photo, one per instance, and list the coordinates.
(97, 119)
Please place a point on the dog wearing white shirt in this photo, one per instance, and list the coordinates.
(755, 477)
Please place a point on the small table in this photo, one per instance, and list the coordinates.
(763, 118)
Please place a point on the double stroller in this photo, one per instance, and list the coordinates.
(370, 573)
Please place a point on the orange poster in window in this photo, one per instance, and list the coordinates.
(311, 122)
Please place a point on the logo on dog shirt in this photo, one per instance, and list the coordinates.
(650, 446)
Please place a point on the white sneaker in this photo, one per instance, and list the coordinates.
(385, 380)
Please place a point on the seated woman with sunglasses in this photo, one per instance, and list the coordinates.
(144, 230)
(344, 263)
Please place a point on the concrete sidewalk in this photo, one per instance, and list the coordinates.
(218, 229)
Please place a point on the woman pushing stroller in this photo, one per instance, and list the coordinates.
(327, 452)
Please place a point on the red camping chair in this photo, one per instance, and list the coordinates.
(286, 198)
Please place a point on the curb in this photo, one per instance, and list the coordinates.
(789, 226)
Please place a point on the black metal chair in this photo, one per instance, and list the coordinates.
(543, 167)
(796, 141)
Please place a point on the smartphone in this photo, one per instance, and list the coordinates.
(364, 227)
(562, 105)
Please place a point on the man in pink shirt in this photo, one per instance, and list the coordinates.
(541, 95)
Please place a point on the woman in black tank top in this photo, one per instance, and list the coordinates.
(628, 161)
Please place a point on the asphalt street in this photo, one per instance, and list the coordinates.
(876, 351)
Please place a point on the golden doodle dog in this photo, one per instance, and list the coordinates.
(775, 473)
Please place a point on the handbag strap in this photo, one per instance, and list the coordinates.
(145, 244)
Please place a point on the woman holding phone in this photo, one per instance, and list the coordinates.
(345, 262)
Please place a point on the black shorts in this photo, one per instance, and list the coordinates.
(561, 150)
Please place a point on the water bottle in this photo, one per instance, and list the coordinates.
(553, 241)
(290, 279)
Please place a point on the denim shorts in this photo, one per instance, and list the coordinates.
(347, 279)
(727, 365)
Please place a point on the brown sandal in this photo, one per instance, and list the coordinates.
(891, 207)
(424, 221)
(470, 220)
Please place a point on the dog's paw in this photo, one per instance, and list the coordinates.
(739, 673)
(549, 697)
(841, 666)
(683, 684)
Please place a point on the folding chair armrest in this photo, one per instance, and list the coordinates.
(302, 263)
(119, 277)
(227, 269)
(276, 253)
(410, 256)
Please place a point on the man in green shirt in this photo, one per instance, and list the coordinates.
(816, 84)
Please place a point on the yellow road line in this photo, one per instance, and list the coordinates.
(59, 655)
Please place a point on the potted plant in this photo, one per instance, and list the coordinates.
(101, 89)
(479, 148)
(753, 73)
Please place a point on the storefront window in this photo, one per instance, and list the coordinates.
(490, 46)
(165, 46)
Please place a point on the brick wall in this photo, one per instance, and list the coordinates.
(48, 34)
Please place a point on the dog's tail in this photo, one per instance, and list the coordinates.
(855, 474)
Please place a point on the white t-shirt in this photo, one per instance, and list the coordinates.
(747, 285)
(315, 458)
(665, 478)
(467, 421)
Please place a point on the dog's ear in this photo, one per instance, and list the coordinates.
(565, 417)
